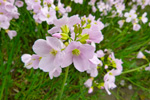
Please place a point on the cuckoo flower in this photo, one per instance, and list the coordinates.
(69, 21)
(50, 51)
(19, 3)
(78, 54)
(47, 15)
(144, 18)
(109, 82)
(4, 22)
(140, 55)
(94, 33)
(11, 33)
(92, 70)
(30, 61)
(118, 65)
(130, 16)
(88, 83)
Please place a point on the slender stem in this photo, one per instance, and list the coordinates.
(2, 90)
(132, 70)
(63, 85)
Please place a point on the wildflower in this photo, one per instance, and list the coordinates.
(140, 55)
(11, 33)
(136, 27)
(109, 82)
(50, 51)
(130, 16)
(78, 54)
(144, 18)
(90, 90)
(88, 83)
(121, 22)
(30, 61)
(19, 3)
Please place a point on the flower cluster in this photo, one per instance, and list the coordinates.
(46, 10)
(116, 8)
(132, 17)
(9, 11)
(72, 41)
(112, 67)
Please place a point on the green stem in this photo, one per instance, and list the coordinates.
(2, 90)
(63, 85)
(132, 70)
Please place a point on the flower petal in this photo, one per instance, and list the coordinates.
(41, 47)
(46, 63)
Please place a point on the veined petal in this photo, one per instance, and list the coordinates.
(41, 47)
(55, 43)
(87, 51)
(54, 30)
(46, 63)
(67, 60)
(25, 58)
(80, 63)
(73, 20)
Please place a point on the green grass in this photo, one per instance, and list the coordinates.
(19, 83)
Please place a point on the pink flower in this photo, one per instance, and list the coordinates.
(140, 55)
(106, 67)
(88, 83)
(93, 63)
(94, 33)
(50, 51)
(136, 27)
(47, 15)
(19, 3)
(118, 66)
(109, 82)
(144, 18)
(90, 90)
(68, 9)
(30, 61)
(130, 16)
(11, 33)
(4, 22)
(100, 53)
(78, 54)
(121, 22)
(69, 21)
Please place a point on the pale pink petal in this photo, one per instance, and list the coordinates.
(67, 60)
(19, 3)
(87, 51)
(80, 63)
(25, 58)
(46, 63)
(73, 20)
(54, 30)
(41, 47)
(54, 43)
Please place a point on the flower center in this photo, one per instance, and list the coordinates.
(48, 15)
(76, 52)
(53, 52)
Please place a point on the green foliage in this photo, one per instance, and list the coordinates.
(19, 83)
